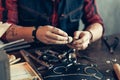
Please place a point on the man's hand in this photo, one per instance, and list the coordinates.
(51, 35)
(81, 40)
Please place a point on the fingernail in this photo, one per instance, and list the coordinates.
(65, 42)
(75, 38)
(66, 34)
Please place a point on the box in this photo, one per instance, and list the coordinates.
(23, 71)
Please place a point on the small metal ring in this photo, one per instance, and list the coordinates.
(56, 69)
(90, 67)
(93, 74)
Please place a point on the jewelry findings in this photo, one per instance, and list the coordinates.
(90, 70)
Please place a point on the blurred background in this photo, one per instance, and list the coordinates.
(110, 13)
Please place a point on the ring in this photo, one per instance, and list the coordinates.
(59, 69)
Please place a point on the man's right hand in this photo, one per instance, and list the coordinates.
(51, 35)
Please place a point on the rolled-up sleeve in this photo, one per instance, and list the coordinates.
(8, 13)
(1, 10)
(91, 15)
(11, 6)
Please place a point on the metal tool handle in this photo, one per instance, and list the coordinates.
(11, 43)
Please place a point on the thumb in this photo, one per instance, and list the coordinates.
(77, 34)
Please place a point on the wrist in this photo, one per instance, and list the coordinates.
(34, 35)
(91, 36)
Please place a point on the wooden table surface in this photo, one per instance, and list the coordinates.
(101, 56)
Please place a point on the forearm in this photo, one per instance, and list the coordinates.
(92, 20)
(96, 30)
(18, 32)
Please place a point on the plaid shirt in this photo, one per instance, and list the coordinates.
(89, 9)
(54, 16)
(11, 6)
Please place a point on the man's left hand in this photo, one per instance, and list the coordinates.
(81, 40)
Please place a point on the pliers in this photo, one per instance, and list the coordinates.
(112, 46)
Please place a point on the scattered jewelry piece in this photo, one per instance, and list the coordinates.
(83, 79)
(114, 60)
(107, 79)
(107, 71)
(78, 69)
(108, 62)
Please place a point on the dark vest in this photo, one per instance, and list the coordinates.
(38, 13)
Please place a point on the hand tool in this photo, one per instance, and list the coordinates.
(34, 58)
(15, 45)
(112, 46)
(26, 57)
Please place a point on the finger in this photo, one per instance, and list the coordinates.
(71, 46)
(56, 36)
(83, 39)
(52, 41)
(77, 34)
(59, 32)
(82, 46)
